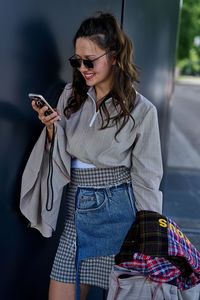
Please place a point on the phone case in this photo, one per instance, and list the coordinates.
(40, 102)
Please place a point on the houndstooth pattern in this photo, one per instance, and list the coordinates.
(93, 271)
(100, 177)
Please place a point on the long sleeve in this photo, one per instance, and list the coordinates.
(147, 169)
(34, 180)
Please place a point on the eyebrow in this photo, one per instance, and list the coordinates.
(86, 56)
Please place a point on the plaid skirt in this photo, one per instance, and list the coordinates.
(93, 271)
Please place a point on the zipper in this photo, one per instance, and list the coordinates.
(95, 111)
(93, 118)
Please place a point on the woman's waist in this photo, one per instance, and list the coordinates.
(100, 176)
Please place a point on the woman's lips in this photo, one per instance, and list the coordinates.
(88, 76)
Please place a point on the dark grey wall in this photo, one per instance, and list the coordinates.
(152, 26)
(36, 40)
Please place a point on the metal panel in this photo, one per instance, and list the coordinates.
(36, 40)
(152, 26)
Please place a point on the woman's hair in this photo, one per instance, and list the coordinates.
(104, 30)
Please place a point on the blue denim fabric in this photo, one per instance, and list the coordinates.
(103, 217)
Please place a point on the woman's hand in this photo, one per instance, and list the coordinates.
(49, 120)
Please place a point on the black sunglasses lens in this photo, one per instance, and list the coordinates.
(88, 63)
(75, 63)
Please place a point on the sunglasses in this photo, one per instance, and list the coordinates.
(88, 63)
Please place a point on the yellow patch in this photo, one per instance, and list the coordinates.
(164, 223)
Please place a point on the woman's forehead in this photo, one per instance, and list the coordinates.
(85, 45)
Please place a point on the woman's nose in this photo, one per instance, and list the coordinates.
(82, 67)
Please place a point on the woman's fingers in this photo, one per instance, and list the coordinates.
(34, 106)
(46, 119)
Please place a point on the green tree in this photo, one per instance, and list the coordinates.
(189, 27)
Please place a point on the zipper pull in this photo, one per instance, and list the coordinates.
(93, 119)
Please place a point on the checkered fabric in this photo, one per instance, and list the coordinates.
(161, 270)
(93, 177)
(179, 245)
(156, 268)
(145, 236)
(100, 177)
(156, 247)
(93, 271)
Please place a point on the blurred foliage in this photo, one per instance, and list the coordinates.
(188, 52)
(190, 65)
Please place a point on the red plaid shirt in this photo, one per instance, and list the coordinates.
(160, 270)
(161, 251)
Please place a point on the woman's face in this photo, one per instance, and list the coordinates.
(101, 75)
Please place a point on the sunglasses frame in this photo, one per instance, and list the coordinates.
(88, 63)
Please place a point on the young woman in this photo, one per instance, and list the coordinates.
(103, 143)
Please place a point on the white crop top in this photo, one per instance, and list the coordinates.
(77, 164)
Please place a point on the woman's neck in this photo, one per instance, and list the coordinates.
(101, 92)
(99, 100)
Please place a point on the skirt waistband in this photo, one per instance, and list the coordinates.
(100, 176)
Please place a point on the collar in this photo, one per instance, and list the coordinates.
(92, 94)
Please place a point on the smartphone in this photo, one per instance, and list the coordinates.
(40, 102)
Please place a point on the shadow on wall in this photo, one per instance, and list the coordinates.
(38, 58)
(39, 66)
(37, 70)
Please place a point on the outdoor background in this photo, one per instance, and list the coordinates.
(36, 40)
(182, 190)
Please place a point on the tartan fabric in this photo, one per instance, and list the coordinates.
(161, 270)
(179, 245)
(157, 237)
(145, 236)
(156, 268)
(153, 239)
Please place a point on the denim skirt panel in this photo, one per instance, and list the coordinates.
(94, 190)
(93, 178)
(103, 217)
(93, 271)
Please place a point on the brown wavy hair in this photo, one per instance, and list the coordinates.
(104, 30)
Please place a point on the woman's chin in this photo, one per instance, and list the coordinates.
(90, 82)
